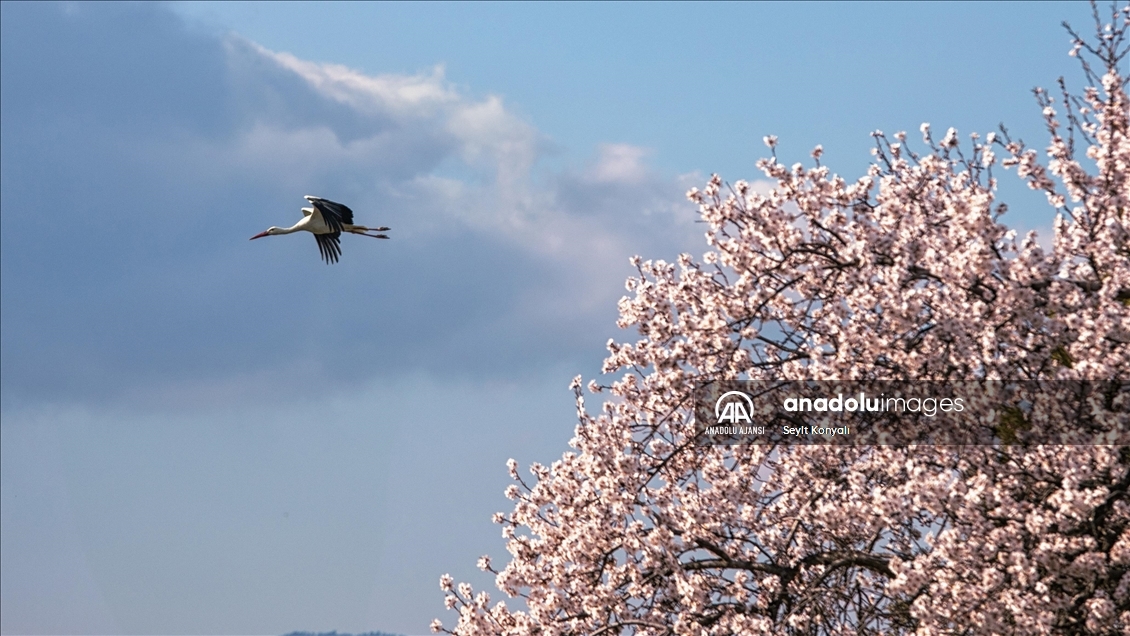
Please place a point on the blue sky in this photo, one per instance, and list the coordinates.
(203, 435)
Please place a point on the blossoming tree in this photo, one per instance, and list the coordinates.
(904, 274)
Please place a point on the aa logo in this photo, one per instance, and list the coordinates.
(733, 407)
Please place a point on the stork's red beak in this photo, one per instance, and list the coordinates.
(259, 235)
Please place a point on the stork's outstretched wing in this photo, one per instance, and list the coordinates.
(330, 246)
(336, 215)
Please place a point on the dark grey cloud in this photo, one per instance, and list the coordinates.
(138, 156)
(132, 68)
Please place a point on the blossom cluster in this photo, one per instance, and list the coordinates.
(904, 274)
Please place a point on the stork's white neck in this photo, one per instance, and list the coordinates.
(285, 230)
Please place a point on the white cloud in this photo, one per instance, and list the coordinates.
(493, 151)
(620, 163)
(408, 96)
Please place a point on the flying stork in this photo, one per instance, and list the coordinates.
(326, 221)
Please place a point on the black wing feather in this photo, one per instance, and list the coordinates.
(336, 217)
(335, 214)
(330, 246)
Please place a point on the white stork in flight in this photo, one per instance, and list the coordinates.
(326, 221)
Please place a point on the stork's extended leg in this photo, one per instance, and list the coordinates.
(365, 231)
